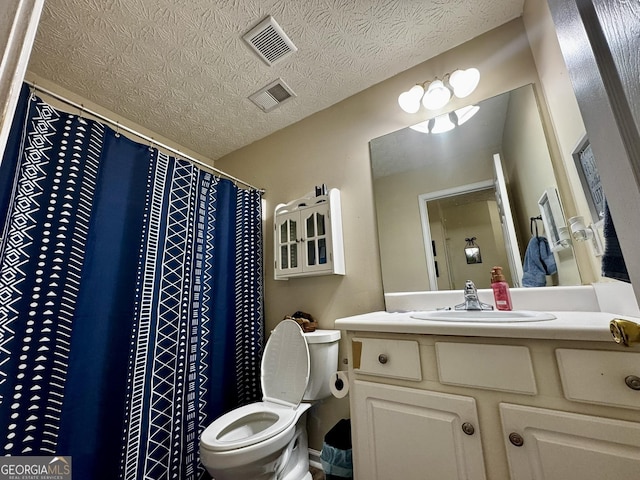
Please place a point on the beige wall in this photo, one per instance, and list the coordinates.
(561, 112)
(530, 174)
(478, 220)
(526, 159)
(332, 147)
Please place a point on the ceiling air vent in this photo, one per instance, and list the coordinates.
(269, 41)
(272, 96)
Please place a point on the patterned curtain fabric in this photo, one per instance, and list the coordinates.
(130, 299)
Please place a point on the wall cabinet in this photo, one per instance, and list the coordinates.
(308, 237)
(519, 409)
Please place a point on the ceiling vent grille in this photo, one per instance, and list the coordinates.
(272, 96)
(269, 41)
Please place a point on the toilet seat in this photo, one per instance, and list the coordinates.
(284, 377)
(247, 425)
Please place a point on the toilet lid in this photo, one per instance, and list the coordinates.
(285, 365)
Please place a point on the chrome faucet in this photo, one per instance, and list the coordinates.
(471, 301)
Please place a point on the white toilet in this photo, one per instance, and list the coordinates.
(268, 439)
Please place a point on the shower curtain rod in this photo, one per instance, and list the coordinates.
(119, 126)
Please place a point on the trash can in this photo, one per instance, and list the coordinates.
(335, 456)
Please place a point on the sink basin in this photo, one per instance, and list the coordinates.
(483, 316)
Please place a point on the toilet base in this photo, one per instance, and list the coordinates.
(291, 463)
(297, 466)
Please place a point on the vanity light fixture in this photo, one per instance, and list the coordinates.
(435, 94)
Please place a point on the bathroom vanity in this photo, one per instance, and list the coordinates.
(552, 399)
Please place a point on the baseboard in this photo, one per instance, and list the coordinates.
(314, 458)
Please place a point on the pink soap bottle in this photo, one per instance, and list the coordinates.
(500, 289)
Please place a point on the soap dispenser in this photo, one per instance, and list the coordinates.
(500, 289)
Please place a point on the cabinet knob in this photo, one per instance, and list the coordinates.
(382, 358)
(516, 439)
(625, 332)
(632, 382)
(468, 428)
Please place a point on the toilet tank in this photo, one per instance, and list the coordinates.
(323, 362)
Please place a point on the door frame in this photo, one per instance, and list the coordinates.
(423, 198)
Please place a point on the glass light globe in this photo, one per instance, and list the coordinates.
(464, 82)
(409, 101)
(442, 124)
(422, 127)
(437, 95)
(465, 113)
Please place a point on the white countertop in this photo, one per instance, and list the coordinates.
(587, 326)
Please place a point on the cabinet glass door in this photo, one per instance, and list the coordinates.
(316, 226)
(288, 244)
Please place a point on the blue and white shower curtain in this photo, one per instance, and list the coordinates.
(131, 299)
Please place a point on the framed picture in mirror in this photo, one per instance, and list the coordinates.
(473, 255)
(472, 251)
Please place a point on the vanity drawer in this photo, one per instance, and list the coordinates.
(505, 368)
(602, 377)
(387, 358)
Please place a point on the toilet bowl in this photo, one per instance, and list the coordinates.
(268, 440)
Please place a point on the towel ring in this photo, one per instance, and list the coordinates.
(533, 223)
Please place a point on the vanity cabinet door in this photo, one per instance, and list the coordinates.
(553, 445)
(412, 434)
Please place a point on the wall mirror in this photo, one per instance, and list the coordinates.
(434, 190)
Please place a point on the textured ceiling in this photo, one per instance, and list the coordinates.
(181, 68)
